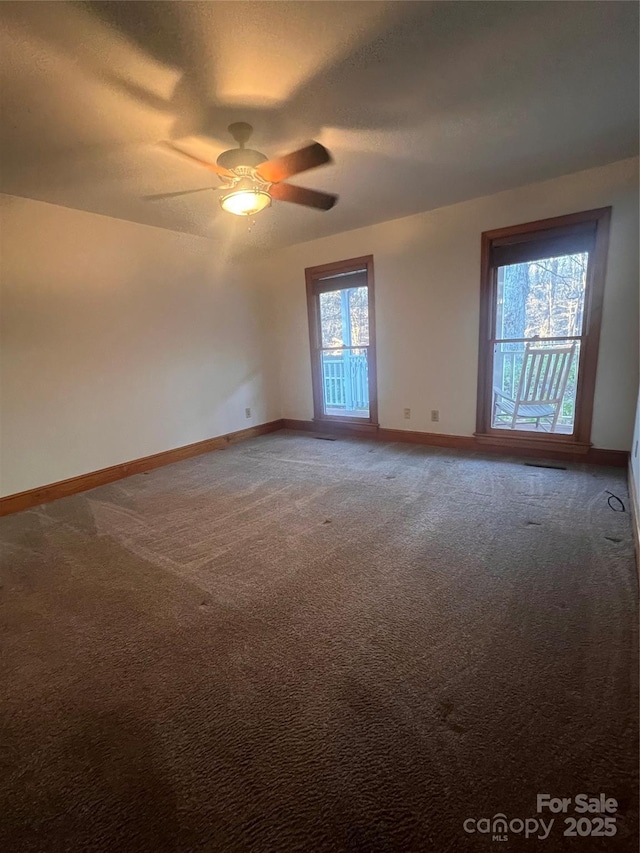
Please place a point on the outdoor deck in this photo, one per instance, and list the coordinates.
(562, 429)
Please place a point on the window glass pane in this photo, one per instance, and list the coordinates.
(345, 382)
(344, 317)
(543, 400)
(543, 297)
(359, 316)
(331, 319)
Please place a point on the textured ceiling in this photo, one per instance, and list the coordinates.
(422, 104)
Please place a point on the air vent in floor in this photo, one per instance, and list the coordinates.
(542, 465)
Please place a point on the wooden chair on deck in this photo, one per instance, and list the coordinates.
(541, 388)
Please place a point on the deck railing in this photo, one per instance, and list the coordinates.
(345, 377)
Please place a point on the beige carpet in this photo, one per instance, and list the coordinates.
(306, 645)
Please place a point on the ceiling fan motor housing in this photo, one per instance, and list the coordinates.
(240, 157)
(241, 132)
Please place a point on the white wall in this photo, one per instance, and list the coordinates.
(119, 340)
(427, 277)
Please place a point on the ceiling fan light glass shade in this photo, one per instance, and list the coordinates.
(245, 202)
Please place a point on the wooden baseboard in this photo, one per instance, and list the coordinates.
(612, 458)
(523, 441)
(559, 452)
(432, 439)
(356, 430)
(299, 426)
(634, 510)
(74, 485)
(594, 455)
(64, 488)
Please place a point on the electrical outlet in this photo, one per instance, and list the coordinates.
(435, 415)
(247, 413)
(407, 413)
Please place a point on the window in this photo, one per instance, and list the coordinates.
(342, 334)
(541, 303)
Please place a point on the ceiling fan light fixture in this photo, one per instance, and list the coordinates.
(250, 182)
(245, 202)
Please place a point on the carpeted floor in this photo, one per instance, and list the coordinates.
(305, 645)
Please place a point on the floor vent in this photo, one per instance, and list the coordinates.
(325, 437)
(542, 465)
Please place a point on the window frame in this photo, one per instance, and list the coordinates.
(315, 285)
(544, 230)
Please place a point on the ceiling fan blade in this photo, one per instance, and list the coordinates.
(211, 166)
(160, 196)
(303, 195)
(292, 164)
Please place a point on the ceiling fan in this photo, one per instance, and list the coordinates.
(250, 181)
